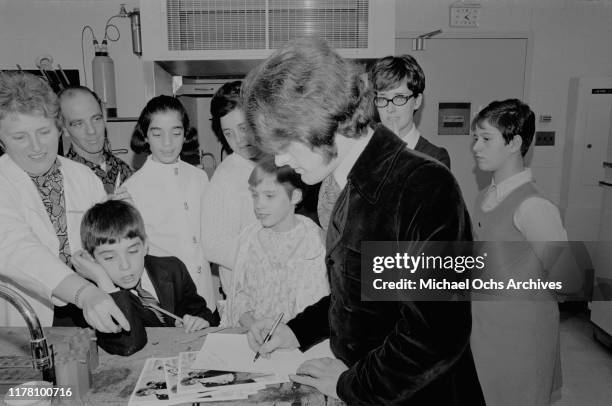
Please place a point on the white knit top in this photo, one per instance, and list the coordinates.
(169, 197)
(227, 208)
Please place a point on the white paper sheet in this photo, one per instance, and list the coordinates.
(231, 352)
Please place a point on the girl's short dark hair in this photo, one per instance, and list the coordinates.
(389, 72)
(161, 104)
(511, 117)
(110, 222)
(285, 175)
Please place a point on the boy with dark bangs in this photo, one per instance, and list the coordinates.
(113, 236)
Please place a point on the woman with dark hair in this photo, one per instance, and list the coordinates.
(168, 191)
(227, 206)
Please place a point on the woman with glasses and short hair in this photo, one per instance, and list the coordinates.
(399, 83)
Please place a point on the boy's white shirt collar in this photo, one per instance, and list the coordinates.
(497, 192)
(344, 167)
(412, 137)
(146, 285)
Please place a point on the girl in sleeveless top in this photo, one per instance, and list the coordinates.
(515, 338)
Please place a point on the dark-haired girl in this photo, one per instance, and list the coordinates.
(167, 191)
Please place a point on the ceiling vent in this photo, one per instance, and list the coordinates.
(251, 29)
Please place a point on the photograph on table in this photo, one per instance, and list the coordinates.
(151, 388)
(192, 380)
(171, 372)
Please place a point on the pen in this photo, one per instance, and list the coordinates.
(117, 182)
(167, 313)
(269, 336)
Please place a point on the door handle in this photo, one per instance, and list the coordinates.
(604, 183)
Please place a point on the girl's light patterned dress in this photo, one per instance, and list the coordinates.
(277, 272)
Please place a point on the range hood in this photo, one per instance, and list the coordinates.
(222, 69)
(218, 69)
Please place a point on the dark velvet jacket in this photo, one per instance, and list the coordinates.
(398, 353)
(439, 153)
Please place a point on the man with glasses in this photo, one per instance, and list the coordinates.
(399, 83)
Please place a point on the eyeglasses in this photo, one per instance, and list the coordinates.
(398, 100)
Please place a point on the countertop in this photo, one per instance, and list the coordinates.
(116, 376)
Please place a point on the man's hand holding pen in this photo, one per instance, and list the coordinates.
(270, 334)
(282, 337)
(322, 373)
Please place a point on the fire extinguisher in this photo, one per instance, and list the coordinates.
(103, 72)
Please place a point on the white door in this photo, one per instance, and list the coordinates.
(596, 132)
(586, 149)
(601, 308)
(472, 70)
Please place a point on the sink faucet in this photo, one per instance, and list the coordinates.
(41, 358)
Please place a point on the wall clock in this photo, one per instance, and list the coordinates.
(464, 14)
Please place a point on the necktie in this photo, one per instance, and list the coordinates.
(328, 194)
(147, 299)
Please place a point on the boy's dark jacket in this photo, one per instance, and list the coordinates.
(398, 353)
(439, 153)
(176, 293)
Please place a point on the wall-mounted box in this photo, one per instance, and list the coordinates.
(454, 118)
(545, 138)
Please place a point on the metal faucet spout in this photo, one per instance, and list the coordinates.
(42, 359)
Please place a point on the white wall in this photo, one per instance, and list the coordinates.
(29, 28)
(570, 38)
